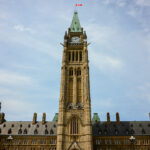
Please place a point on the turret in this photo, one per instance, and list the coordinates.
(95, 117)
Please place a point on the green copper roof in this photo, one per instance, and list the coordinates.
(95, 117)
(55, 119)
(75, 25)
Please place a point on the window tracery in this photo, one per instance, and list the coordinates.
(74, 126)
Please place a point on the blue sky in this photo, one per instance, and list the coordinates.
(119, 55)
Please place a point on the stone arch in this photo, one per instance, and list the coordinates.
(74, 146)
(71, 72)
(75, 116)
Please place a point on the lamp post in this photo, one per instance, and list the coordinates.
(132, 140)
(9, 139)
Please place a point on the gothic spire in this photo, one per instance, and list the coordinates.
(75, 25)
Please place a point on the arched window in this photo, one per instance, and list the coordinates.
(70, 72)
(20, 131)
(25, 131)
(78, 72)
(74, 126)
(51, 131)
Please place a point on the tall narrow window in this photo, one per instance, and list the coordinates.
(69, 56)
(71, 72)
(79, 96)
(70, 90)
(78, 72)
(74, 126)
(80, 56)
(76, 56)
(72, 56)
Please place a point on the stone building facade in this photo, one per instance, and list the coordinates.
(73, 128)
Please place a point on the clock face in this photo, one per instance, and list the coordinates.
(75, 39)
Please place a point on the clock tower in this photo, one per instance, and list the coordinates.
(74, 130)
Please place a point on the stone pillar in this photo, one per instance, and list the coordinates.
(75, 87)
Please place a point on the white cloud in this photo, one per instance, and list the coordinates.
(120, 3)
(22, 28)
(105, 62)
(142, 2)
(100, 34)
(3, 15)
(132, 12)
(12, 78)
(34, 41)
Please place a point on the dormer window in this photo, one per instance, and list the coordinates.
(9, 131)
(143, 131)
(132, 131)
(116, 132)
(25, 131)
(100, 132)
(46, 131)
(20, 131)
(127, 132)
(105, 131)
(51, 131)
(35, 131)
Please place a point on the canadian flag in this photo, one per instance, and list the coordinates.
(79, 4)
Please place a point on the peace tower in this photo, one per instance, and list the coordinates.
(74, 122)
